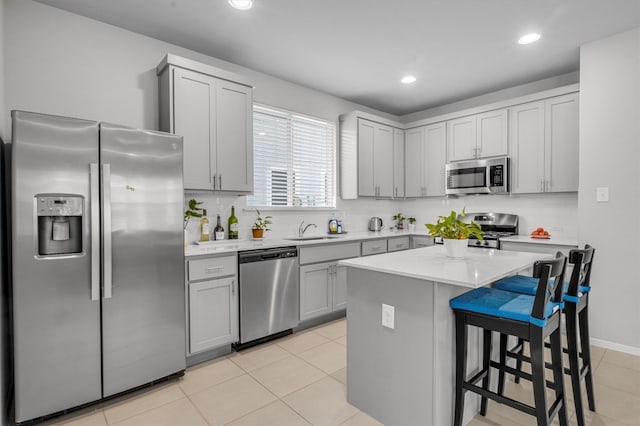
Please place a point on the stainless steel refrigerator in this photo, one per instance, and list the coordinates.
(97, 260)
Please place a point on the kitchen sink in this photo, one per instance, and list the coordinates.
(328, 237)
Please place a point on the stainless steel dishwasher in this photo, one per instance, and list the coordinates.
(269, 293)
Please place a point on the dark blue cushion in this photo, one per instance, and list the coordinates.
(528, 285)
(502, 304)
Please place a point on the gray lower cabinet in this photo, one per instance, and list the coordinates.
(212, 298)
(419, 241)
(398, 243)
(323, 283)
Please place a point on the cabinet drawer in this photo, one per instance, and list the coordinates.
(397, 244)
(327, 252)
(212, 267)
(420, 241)
(374, 247)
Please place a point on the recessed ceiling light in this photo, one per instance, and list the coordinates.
(241, 4)
(408, 79)
(529, 38)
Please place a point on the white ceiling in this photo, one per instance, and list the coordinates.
(359, 49)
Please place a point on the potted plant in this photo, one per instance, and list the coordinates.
(412, 223)
(399, 221)
(260, 225)
(193, 211)
(455, 233)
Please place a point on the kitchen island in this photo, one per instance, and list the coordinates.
(404, 375)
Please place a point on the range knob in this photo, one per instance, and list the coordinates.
(478, 242)
(486, 243)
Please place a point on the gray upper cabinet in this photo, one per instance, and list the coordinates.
(478, 136)
(398, 163)
(212, 110)
(425, 160)
(375, 159)
(544, 145)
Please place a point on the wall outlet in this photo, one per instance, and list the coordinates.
(388, 316)
(602, 194)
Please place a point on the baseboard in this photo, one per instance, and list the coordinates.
(632, 350)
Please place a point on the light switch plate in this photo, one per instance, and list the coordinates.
(388, 316)
(602, 194)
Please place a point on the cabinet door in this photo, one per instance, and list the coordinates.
(234, 148)
(414, 145)
(213, 316)
(366, 135)
(194, 117)
(527, 148)
(492, 133)
(434, 159)
(316, 297)
(383, 160)
(339, 287)
(398, 163)
(461, 138)
(561, 143)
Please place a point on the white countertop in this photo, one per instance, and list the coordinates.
(558, 241)
(229, 246)
(479, 268)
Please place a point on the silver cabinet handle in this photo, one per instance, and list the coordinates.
(106, 231)
(213, 269)
(220, 181)
(215, 178)
(94, 180)
(233, 287)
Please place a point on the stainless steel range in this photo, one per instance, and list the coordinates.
(494, 226)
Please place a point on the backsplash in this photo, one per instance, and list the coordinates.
(555, 212)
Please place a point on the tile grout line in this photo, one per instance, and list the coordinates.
(126, 401)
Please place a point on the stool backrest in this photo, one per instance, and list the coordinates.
(550, 274)
(581, 259)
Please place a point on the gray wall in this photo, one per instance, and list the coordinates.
(65, 64)
(610, 156)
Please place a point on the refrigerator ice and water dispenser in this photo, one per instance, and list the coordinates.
(60, 220)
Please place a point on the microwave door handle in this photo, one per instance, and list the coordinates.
(106, 231)
(94, 182)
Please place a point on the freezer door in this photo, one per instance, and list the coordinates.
(143, 318)
(56, 324)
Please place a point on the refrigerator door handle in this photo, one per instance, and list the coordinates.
(106, 231)
(94, 179)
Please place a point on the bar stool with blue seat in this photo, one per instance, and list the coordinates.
(576, 309)
(531, 318)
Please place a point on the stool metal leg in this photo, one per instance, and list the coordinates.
(503, 361)
(558, 374)
(536, 347)
(461, 367)
(574, 364)
(486, 361)
(583, 318)
(520, 347)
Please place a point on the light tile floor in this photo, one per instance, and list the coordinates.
(300, 380)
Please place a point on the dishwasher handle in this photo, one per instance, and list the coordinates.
(267, 254)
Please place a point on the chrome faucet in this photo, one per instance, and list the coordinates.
(302, 230)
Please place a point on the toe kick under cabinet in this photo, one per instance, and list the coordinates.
(212, 302)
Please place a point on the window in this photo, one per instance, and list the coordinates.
(294, 160)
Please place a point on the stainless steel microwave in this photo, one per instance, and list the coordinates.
(489, 176)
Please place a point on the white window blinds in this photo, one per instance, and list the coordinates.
(294, 160)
